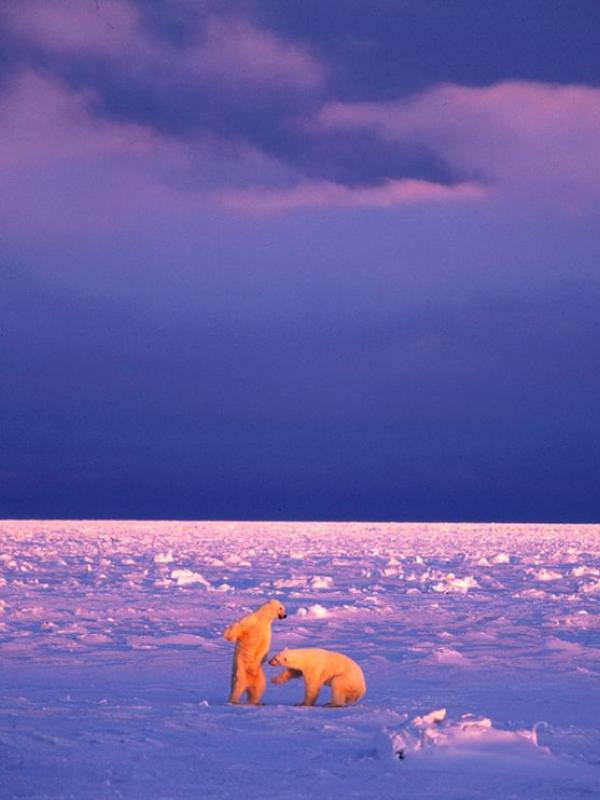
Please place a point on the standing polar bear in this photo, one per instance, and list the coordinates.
(320, 667)
(252, 637)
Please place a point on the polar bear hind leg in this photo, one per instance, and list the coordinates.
(238, 687)
(311, 692)
(257, 683)
(342, 694)
(242, 680)
(339, 693)
(354, 696)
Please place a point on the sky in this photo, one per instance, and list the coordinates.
(294, 259)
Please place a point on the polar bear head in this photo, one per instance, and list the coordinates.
(272, 610)
(280, 659)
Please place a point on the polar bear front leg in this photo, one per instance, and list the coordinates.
(286, 675)
(233, 632)
(312, 688)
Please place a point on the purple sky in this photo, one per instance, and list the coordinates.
(299, 259)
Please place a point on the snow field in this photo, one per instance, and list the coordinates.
(115, 672)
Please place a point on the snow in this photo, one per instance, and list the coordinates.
(480, 645)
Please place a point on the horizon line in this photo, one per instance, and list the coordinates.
(299, 520)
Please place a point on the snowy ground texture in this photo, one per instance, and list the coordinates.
(480, 645)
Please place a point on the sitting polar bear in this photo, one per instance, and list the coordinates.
(322, 667)
(252, 637)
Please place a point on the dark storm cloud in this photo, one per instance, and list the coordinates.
(252, 74)
(133, 68)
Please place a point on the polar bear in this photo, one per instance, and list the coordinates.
(321, 667)
(252, 637)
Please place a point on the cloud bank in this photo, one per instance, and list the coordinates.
(256, 114)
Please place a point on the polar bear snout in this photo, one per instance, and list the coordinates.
(278, 610)
(273, 609)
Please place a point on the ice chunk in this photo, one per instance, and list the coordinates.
(469, 735)
(236, 561)
(537, 594)
(321, 582)
(313, 611)
(186, 577)
(290, 583)
(447, 655)
(591, 588)
(578, 572)
(546, 575)
(428, 719)
(164, 558)
(453, 584)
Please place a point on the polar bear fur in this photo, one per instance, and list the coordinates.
(319, 667)
(252, 637)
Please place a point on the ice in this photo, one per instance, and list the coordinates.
(321, 582)
(161, 558)
(438, 715)
(453, 584)
(290, 583)
(593, 587)
(185, 577)
(115, 672)
(315, 610)
(546, 575)
(467, 735)
(448, 655)
(584, 570)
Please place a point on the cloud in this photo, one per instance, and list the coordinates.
(230, 110)
(225, 48)
(224, 80)
(41, 121)
(525, 139)
(235, 50)
(71, 174)
(71, 26)
(328, 194)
